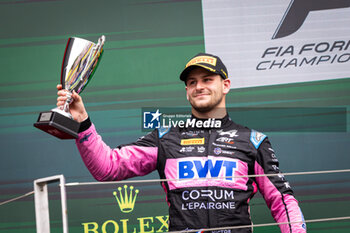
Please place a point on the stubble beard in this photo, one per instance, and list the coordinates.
(207, 107)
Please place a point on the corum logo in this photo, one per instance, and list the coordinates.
(126, 202)
(298, 10)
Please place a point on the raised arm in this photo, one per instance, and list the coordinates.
(106, 164)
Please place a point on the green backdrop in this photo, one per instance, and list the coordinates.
(147, 46)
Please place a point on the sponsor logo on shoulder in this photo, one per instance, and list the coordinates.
(85, 138)
(273, 156)
(275, 167)
(287, 185)
(281, 176)
(259, 136)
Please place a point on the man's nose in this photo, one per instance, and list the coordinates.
(199, 85)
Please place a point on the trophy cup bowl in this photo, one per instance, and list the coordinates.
(80, 61)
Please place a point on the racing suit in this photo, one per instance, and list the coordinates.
(221, 155)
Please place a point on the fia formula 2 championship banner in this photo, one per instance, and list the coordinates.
(279, 41)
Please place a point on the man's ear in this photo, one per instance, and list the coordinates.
(187, 94)
(226, 86)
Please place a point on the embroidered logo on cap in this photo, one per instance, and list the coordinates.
(202, 59)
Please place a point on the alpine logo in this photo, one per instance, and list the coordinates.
(230, 133)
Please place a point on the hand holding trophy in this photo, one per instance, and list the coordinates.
(80, 61)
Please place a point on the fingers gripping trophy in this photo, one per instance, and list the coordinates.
(80, 61)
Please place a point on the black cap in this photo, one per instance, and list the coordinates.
(207, 61)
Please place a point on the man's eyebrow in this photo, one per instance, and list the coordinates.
(203, 76)
(208, 75)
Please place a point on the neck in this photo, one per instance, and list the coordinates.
(215, 113)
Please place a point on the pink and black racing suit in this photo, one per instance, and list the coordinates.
(224, 156)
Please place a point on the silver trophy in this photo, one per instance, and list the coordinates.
(80, 61)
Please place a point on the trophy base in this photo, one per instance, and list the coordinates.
(57, 125)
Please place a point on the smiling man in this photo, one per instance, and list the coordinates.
(222, 156)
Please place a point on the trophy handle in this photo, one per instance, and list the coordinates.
(65, 110)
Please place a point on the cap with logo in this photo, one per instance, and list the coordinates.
(207, 61)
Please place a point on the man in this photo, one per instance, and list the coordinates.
(223, 155)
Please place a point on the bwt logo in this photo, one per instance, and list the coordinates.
(207, 169)
(298, 11)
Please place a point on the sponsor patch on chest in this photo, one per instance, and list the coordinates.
(192, 141)
(205, 171)
(206, 168)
